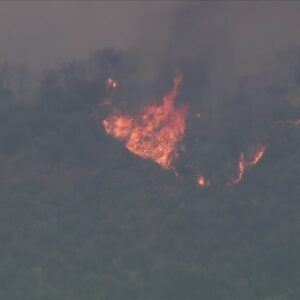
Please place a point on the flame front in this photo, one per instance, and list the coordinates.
(156, 133)
(241, 169)
(243, 164)
(257, 156)
(202, 181)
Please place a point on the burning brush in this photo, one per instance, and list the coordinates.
(155, 133)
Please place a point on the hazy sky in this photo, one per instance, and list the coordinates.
(44, 33)
(244, 35)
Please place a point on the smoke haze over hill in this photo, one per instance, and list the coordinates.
(149, 150)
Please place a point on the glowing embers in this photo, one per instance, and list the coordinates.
(156, 133)
(111, 83)
(202, 181)
(243, 164)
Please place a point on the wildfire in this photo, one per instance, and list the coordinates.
(257, 156)
(156, 133)
(111, 83)
(202, 181)
(241, 169)
(243, 164)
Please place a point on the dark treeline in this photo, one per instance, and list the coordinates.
(82, 218)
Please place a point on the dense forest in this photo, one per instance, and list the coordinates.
(83, 218)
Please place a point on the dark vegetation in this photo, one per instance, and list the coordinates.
(82, 218)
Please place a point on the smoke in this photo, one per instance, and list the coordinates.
(239, 70)
(234, 75)
(230, 39)
(224, 42)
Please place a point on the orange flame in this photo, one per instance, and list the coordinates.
(111, 83)
(156, 133)
(241, 169)
(257, 156)
(243, 164)
(202, 181)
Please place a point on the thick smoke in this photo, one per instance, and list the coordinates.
(232, 58)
